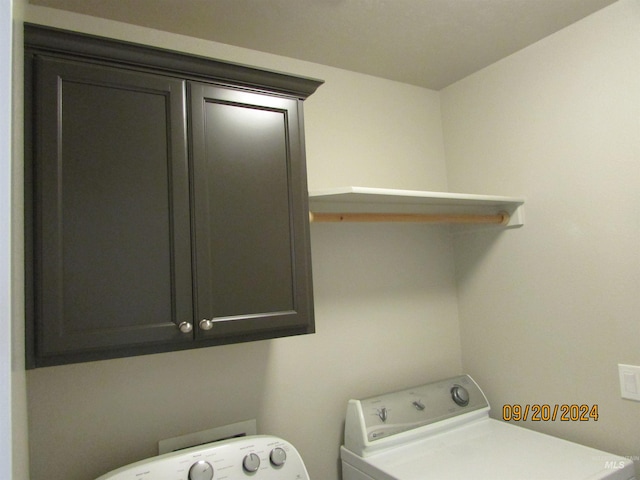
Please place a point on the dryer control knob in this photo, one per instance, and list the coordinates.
(383, 413)
(251, 463)
(460, 395)
(201, 471)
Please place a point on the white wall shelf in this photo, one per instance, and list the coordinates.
(363, 204)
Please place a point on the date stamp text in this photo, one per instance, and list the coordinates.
(549, 413)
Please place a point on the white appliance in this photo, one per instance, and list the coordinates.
(442, 431)
(259, 457)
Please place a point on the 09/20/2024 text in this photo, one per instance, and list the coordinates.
(550, 413)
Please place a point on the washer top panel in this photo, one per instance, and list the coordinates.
(260, 457)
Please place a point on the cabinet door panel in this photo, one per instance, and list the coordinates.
(112, 209)
(251, 252)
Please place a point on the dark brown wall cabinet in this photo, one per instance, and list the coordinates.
(166, 201)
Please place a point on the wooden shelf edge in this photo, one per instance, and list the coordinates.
(378, 204)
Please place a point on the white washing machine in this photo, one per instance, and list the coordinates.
(443, 431)
(258, 457)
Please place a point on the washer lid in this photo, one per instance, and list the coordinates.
(489, 449)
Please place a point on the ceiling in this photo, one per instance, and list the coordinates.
(430, 43)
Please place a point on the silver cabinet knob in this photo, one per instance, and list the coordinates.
(185, 327)
(206, 324)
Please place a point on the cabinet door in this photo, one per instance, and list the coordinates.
(112, 272)
(251, 220)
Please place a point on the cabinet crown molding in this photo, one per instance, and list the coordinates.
(51, 39)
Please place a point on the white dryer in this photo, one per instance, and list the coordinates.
(442, 431)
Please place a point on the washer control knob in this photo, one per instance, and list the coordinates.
(278, 456)
(460, 395)
(418, 404)
(201, 471)
(251, 463)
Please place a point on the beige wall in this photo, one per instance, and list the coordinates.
(6, 340)
(547, 312)
(19, 428)
(386, 310)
